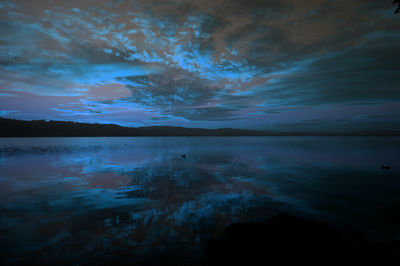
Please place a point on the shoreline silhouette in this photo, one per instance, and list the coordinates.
(49, 128)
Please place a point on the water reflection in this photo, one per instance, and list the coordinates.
(76, 199)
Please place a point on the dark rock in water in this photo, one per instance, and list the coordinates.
(385, 167)
(183, 155)
(286, 237)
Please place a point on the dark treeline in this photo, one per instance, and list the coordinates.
(42, 128)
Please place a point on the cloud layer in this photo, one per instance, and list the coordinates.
(252, 64)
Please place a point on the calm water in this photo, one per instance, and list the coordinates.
(76, 199)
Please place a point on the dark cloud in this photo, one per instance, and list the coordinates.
(206, 113)
(209, 60)
(169, 89)
(365, 73)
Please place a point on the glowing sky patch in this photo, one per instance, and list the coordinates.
(262, 64)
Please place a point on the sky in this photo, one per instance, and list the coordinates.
(287, 65)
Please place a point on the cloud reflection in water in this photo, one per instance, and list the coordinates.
(77, 198)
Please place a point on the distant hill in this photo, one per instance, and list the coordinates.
(42, 128)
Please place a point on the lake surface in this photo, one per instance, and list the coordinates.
(84, 200)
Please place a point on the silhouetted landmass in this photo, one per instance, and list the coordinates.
(43, 128)
(291, 238)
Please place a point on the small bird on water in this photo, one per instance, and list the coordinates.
(183, 155)
(385, 167)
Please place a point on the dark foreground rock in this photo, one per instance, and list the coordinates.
(290, 238)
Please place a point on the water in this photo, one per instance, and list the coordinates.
(81, 200)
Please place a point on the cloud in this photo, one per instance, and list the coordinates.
(168, 89)
(366, 73)
(6, 112)
(209, 60)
